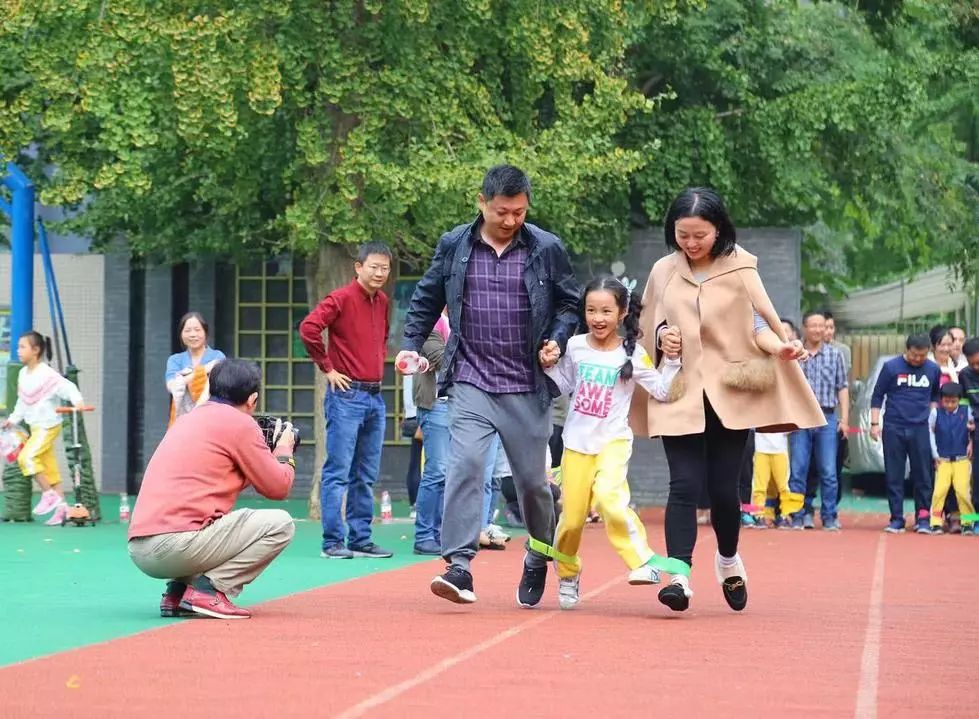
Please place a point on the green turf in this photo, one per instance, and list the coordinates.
(72, 586)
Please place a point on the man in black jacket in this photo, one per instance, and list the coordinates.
(510, 292)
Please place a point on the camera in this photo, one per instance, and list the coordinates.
(272, 428)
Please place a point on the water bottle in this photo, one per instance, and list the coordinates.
(124, 508)
(385, 507)
(412, 364)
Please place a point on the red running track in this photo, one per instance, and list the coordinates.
(856, 624)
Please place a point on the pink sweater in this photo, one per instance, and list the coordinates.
(197, 472)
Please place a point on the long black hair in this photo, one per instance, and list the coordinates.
(628, 302)
(705, 203)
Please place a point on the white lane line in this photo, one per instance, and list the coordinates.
(443, 666)
(870, 662)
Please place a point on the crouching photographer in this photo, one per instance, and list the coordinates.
(183, 528)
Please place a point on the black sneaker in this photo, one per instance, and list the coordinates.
(456, 585)
(428, 547)
(531, 587)
(371, 550)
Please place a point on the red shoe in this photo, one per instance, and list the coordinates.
(170, 601)
(211, 605)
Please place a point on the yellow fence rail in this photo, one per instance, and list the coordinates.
(866, 348)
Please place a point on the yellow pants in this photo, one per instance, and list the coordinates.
(37, 456)
(774, 469)
(602, 477)
(957, 475)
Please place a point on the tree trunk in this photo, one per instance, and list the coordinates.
(330, 267)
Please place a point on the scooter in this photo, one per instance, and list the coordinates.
(78, 513)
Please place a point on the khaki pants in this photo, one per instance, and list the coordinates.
(231, 551)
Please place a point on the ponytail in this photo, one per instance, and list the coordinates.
(39, 342)
(632, 333)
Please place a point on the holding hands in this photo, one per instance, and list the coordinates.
(792, 350)
(549, 354)
(670, 342)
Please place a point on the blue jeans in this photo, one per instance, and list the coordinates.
(431, 491)
(901, 446)
(354, 436)
(818, 445)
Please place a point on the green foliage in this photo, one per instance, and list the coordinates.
(254, 125)
(843, 121)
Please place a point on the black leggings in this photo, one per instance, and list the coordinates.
(713, 457)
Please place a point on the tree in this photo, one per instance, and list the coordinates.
(846, 121)
(229, 128)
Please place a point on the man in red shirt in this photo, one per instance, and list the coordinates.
(356, 317)
(183, 528)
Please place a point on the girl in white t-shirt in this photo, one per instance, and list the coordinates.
(601, 369)
(40, 390)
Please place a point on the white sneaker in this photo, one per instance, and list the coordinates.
(496, 534)
(644, 575)
(567, 591)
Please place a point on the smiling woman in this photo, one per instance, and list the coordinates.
(187, 372)
(706, 301)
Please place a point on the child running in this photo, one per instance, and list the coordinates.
(601, 368)
(39, 389)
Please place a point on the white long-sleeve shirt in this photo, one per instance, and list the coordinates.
(771, 443)
(39, 392)
(599, 411)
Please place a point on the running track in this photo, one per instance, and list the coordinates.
(856, 624)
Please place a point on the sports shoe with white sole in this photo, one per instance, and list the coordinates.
(644, 575)
(531, 587)
(734, 582)
(456, 585)
(567, 591)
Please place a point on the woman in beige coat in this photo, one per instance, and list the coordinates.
(739, 372)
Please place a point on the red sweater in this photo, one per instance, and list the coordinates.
(203, 463)
(358, 325)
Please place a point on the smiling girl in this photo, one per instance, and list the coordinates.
(601, 369)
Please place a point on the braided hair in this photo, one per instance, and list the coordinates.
(628, 302)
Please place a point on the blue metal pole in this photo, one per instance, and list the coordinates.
(21, 255)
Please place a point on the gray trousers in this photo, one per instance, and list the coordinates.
(524, 428)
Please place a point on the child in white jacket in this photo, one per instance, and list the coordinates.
(40, 390)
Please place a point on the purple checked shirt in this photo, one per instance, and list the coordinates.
(494, 349)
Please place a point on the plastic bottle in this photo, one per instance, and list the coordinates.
(124, 508)
(412, 364)
(11, 442)
(385, 507)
